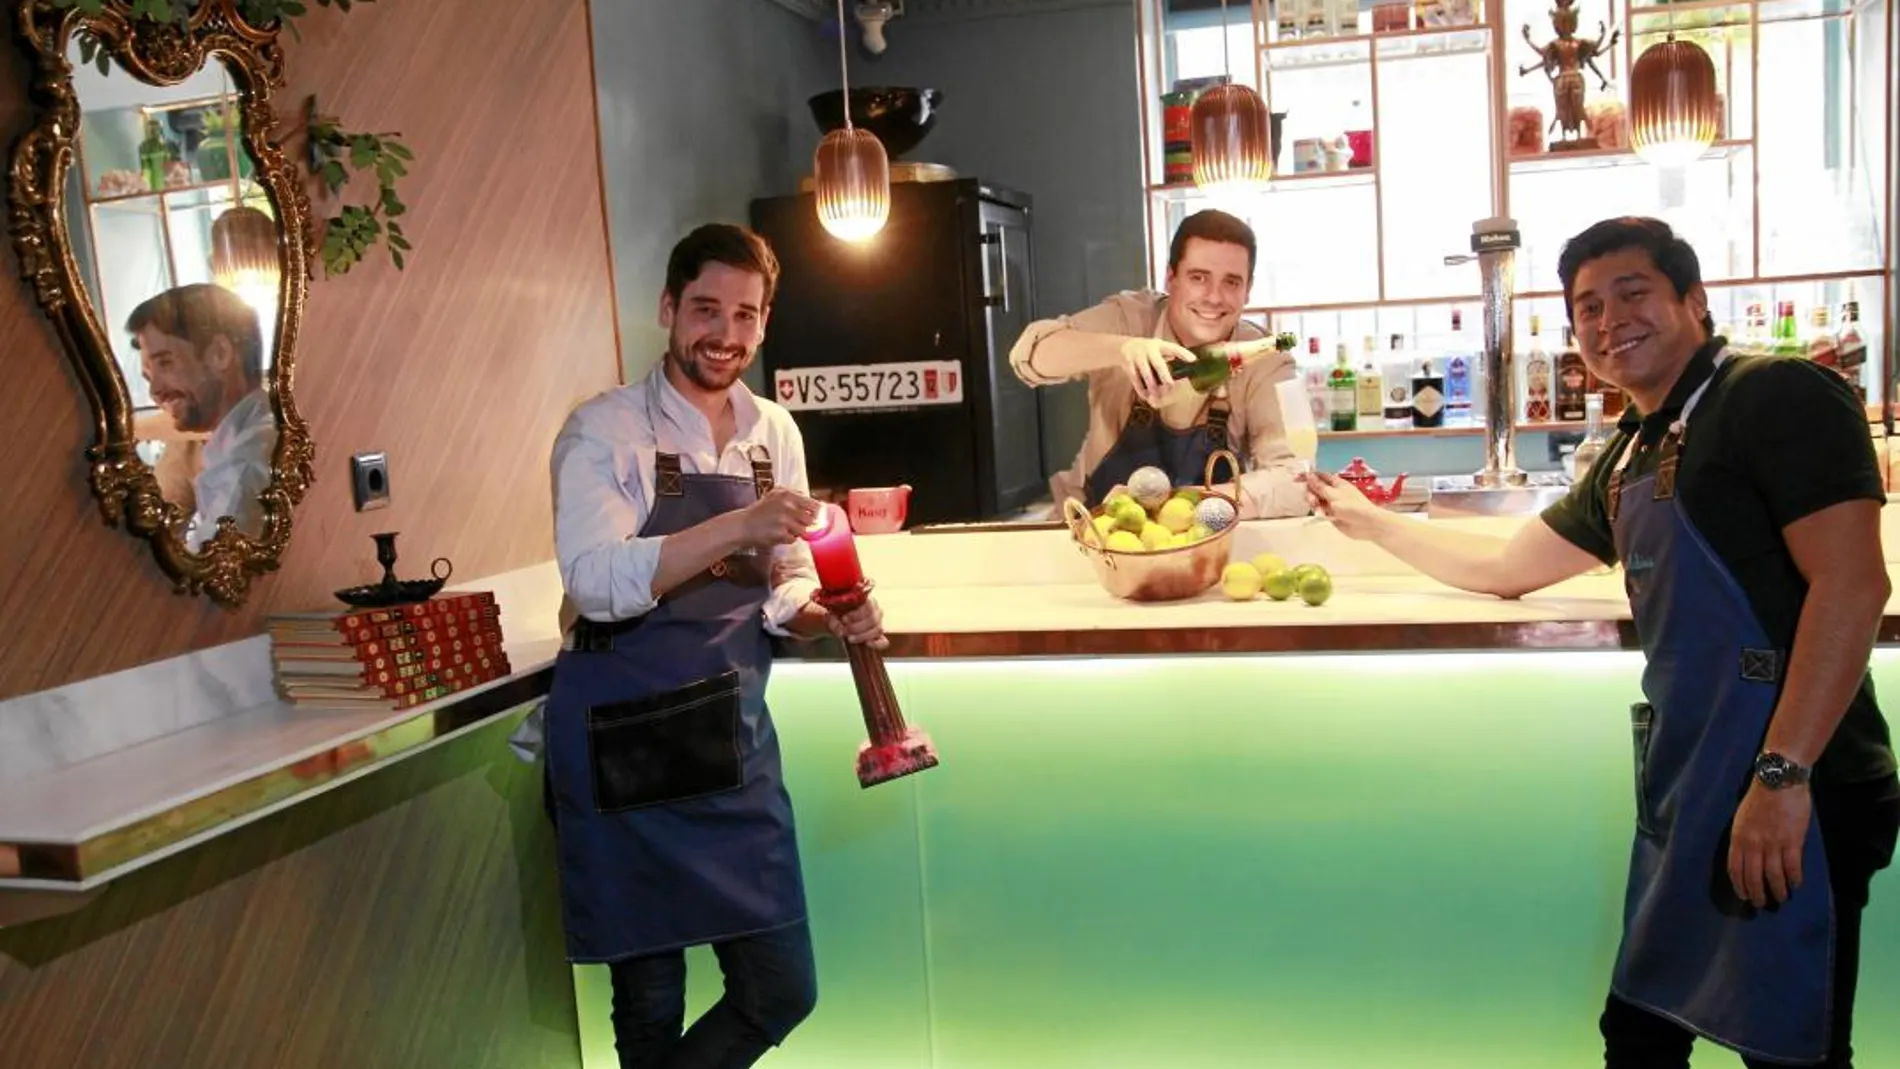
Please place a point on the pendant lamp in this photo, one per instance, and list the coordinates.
(1228, 134)
(851, 174)
(244, 252)
(1674, 109)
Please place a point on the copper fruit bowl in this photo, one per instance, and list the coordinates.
(1164, 574)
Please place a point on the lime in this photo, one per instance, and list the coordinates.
(1103, 525)
(1176, 515)
(1316, 587)
(1124, 542)
(1198, 532)
(1130, 516)
(1239, 581)
(1279, 585)
(1301, 571)
(1189, 494)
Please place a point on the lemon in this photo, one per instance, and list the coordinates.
(1316, 587)
(1239, 581)
(1268, 563)
(1279, 586)
(1176, 515)
(1103, 525)
(1155, 536)
(1124, 542)
(1188, 494)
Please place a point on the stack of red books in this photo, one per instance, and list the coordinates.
(396, 657)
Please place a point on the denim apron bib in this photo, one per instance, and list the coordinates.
(1147, 441)
(672, 823)
(1757, 981)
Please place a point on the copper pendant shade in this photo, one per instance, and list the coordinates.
(1228, 131)
(851, 179)
(244, 252)
(1674, 109)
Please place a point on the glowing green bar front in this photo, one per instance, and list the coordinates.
(1399, 861)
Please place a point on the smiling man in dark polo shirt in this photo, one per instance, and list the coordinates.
(1743, 499)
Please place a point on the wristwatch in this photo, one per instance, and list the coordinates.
(1778, 773)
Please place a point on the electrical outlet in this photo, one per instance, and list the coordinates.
(369, 481)
(1563, 443)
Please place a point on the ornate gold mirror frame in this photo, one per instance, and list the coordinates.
(162, 54)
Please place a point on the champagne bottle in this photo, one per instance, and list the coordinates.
(1216, 362)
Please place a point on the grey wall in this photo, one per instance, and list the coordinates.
(1046, 102)
(702, 108)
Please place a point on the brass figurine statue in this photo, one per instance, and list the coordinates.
(1563, 62)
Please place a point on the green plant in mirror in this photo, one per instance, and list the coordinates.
(350, 234)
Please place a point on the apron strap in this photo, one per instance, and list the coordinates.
(667, 478)
(762, 479)
(1217, 416)
(1142, 414)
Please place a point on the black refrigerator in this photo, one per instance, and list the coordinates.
(893, 355)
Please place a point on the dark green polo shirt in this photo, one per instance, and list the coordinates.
(1771, 441)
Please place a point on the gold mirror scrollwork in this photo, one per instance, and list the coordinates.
(221, 557)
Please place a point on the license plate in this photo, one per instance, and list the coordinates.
(865, 386)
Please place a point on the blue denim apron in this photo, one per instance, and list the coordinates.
(1147, 441)
(1757, 981)
(672, 823)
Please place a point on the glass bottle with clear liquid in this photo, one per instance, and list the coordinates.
(1593, 442)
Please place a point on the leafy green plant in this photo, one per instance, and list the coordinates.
(348, 236)
(334, 152)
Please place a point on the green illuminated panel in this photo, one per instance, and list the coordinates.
(1355, 861)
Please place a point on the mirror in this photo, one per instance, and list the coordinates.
(167, 237)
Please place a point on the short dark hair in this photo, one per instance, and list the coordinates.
(723, 243)
(199, 313)
(1210, 224)
(1671, 255)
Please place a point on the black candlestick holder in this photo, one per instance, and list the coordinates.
(894, 749)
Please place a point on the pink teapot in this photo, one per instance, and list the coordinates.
(878, 509)
(1366, 481)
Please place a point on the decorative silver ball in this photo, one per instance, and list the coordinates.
(1150, 486)
(1214, 513)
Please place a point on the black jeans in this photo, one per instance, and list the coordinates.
(1859, 823)
(771, 985)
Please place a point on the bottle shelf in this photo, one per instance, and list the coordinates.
(1599, 158)
(1460, 431)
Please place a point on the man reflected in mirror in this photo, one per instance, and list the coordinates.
(201, 350)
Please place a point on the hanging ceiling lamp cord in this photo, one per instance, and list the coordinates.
(844, 70)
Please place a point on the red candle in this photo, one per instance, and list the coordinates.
(833, 552)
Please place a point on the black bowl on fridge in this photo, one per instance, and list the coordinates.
(897, 115)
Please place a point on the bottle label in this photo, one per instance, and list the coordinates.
(1428, 402)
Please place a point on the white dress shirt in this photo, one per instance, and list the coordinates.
(236, 471)
(603, 492)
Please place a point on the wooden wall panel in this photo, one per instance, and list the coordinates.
(460, 368)
(409, 919)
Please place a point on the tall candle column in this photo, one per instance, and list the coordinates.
(893, 748)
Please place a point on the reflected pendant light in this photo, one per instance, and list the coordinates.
(1228, 134)
(244, 252)
(851, 174)
(1674, 109)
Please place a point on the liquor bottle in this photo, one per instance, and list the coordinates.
(1287, 13)
(1821, 347)
(152, 156)
(1457, 375)
(1537, 379)
(1572, 377)
(1787, 341)
(1428, 397)
(1216, 362)
(1371, 388)
(1593, 442)
(1850, 348)
(1398, 385)
(1314, 373)
(1342, 393)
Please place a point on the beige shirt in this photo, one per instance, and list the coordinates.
(1255, 427)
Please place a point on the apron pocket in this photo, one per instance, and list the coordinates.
(666, 748)
(1642, 721)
